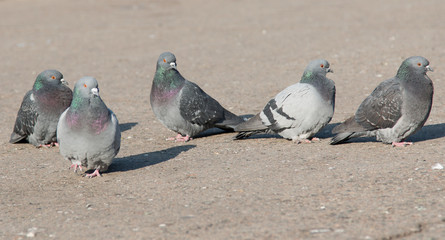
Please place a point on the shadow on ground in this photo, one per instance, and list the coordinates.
(127, 126)
(147, 159)
(429, 132)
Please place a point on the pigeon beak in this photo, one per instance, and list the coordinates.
(329, 70)
(64, 82)
(428, 68)
(95, 91)
(173, 65)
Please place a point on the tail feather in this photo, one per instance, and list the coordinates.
(15, 138)
(347, 130)
(230, 121)
(253, 124)
(341, 137)
(349, 125)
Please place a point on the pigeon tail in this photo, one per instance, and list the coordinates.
(341, 138)
(244, 135)
(253, 124)
(349, 125)
(230, 121)
(15, 138)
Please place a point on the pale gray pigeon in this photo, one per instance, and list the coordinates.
(41, 107)
(396, 109)
(182, 106)
(299, 111)
(88, 132)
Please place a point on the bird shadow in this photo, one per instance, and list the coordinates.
(127, 126)
(142, 160)
(429, 132)
(325, 132)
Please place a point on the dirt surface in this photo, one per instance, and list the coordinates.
(242, 53)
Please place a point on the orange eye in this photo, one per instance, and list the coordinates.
(321, 65)
(52, 77)
(165, 60)
(419, 64)
(84, 85)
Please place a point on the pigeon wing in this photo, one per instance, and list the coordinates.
(198, 107)
(26, 119)
(383, 108)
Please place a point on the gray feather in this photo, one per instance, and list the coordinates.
(88, 132)
(182, 106)
(40, 110)
(396, 109)
(299, 111)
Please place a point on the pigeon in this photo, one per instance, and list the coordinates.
(88, 132)
(182, 106)
(37, 118)
(396, 109)
(299, 111)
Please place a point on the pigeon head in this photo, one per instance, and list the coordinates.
(314, 68)
(86, 87)
(84, 90)
(49, 77)
(166, 61)
(414, 65)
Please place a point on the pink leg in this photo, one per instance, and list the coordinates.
(94, 174)
(401, 144)
(75, 166)
(179, 138)
(56, 144)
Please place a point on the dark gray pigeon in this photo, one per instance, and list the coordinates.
(299, 111)
(41, 107)
(88, 132)
(182, 106)
(396, 109)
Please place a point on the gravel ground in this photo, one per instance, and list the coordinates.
(242, 53)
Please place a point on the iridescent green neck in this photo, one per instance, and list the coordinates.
(403, 71)
(307, 77)
(77, 101)
(168, 79)
(38, 84)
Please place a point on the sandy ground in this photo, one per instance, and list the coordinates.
(242, 53)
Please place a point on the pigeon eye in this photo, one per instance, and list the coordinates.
(165, 60)
(321, 65)
(52, 77)
(419, 64)
(84, 85)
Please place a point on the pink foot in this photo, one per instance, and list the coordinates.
(315, 139)
(48, 145)
(75, 166)
(94, 174)
(401, 144)
(304, 141)
(179, 138)
(45, 145)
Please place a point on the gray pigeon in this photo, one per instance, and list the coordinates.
(396, 109)
(299, 111)
(41, 107)
(88, 132)
(182, 106)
